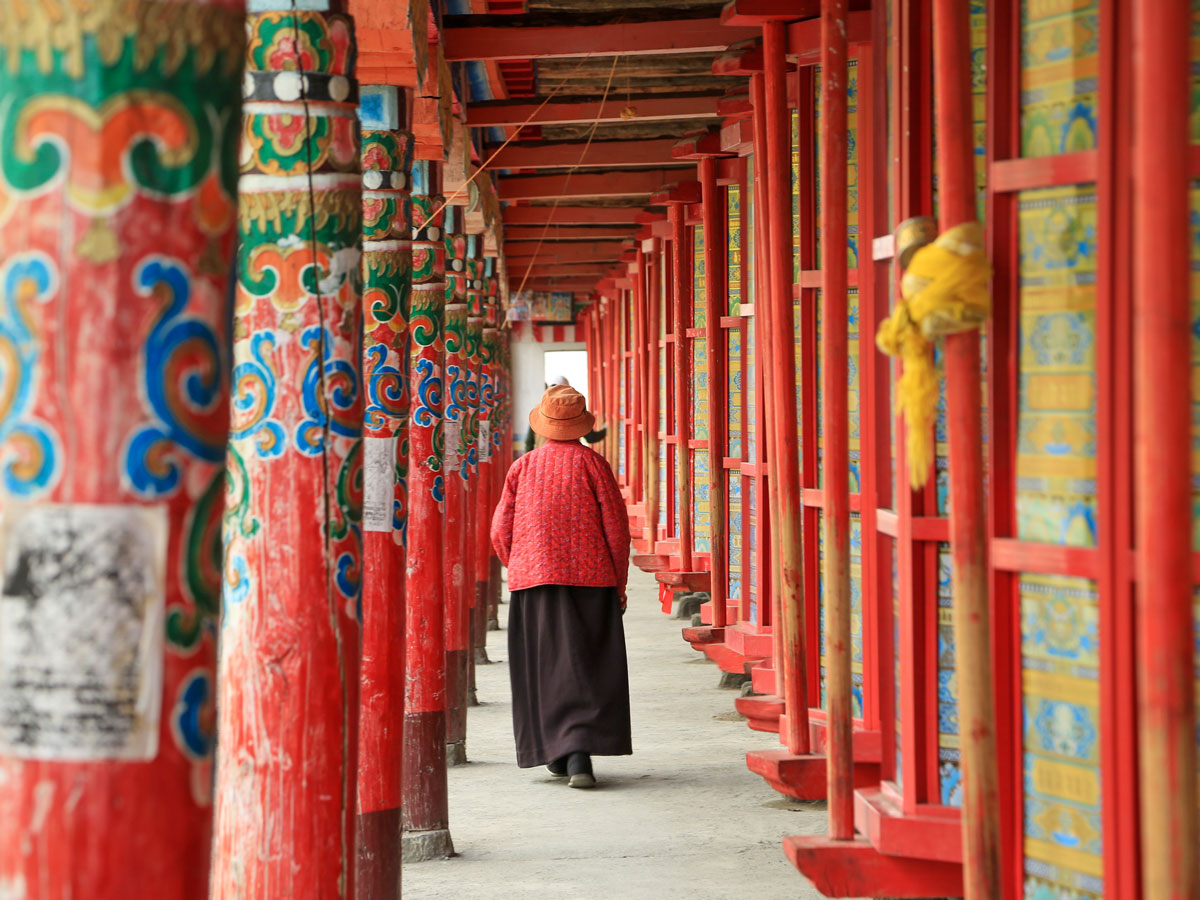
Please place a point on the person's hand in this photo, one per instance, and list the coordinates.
(624, 602)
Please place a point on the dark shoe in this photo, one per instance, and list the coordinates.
(558, 767)
(579, 768)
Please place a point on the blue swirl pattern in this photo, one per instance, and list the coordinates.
(325, 368)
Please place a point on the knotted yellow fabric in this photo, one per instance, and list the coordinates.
(944, 290)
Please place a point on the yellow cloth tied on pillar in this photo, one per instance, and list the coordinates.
(944, 290)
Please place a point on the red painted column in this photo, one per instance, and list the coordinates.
(113, 429)
(289, 665)
(768, 496)
(786, 470)
(637, 377)
(715, 305)
(835, 392)
(426, 811)
(475, 468)
(1162, 410)
(387, 283)
(683, 379)
(654, 319)
(496, 458)
(968, 509)
(454, 524)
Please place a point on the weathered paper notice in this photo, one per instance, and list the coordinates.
(379, 482)
(81, 631)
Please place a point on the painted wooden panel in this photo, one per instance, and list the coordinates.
(851, 166)
(856, 610)
(899, 775)
(701, 506)
(1060, 45)
(733, 231)
(1056, 444)
(795, 126)
(751, 513)
(1060, 658)
(749, 392)
(949, 771)
(734, 394)
(749, 268)
(852, 344)
(734, 532)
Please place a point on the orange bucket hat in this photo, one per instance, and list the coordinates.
(562, 415)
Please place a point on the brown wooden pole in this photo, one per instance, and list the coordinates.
(968, 510)
(1162, 338)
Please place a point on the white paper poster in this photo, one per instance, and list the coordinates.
(81, 631)
(484, 444)
(379, 482)
(453, 434)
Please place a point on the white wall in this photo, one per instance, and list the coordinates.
(529, 369)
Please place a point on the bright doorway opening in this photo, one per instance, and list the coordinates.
(569, 364)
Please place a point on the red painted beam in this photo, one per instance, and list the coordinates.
(756, 12)
(593, 250)
(584, 111)
(687, 192)
(698, 146)
(637, 183)
(804, 38)
(743, 59)
(518, 268)
(735, 105)
(571, 215)
(598, 153)
(568, 232)
(517, 37)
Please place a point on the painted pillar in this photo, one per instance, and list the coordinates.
(479, 520)
(968, 508)
(654, 325)
(1162, 351)
(839, 724)
(289, 663)
(113, 424)
(496, 461)
(715, 304)
(454, 524)
(637, 379)
(387, 286)
(683, 377)
(485, 498)
(426, 811)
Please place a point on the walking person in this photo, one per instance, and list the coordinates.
(562, 530)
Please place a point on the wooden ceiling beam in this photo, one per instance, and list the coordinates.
(570, 215)
(558, 36)
(632, 183)
(568, 232)
(597, 251)
(609, 154)
(588, 110)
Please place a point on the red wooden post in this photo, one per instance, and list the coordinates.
(497, 461)
(426, 812)
(387, 282)
(767, 496)
(968, 510)
(715, 287)
(638, 379)
(834, 387)
(454, 524)
(654, 319)
(683, 380)
(289, 666)
(113, 426)
(1162, 352)
(475, 473)
(785, 470)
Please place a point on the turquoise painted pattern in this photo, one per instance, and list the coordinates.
(856, 607)
(949, 770)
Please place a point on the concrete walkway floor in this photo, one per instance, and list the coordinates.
(681, 818)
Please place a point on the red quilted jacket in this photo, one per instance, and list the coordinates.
(561, 520)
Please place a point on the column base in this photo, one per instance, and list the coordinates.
(456, 753)
(377, 875)
(472, 697)
(493, 624)
(419, 846)
(481, 657)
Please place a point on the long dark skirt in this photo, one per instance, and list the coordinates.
(570, 678)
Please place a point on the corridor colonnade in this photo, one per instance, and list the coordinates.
(989, 682)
